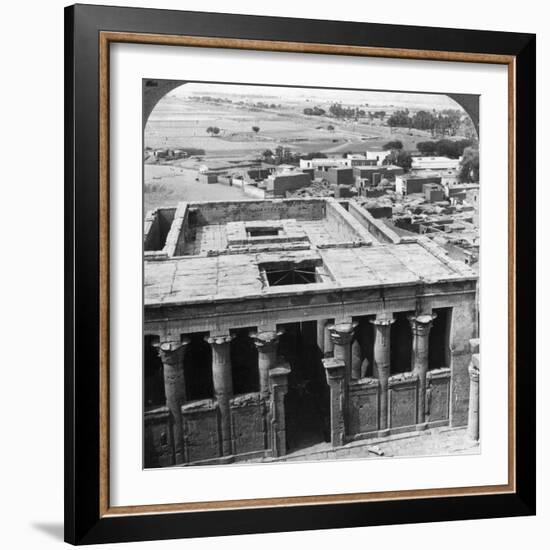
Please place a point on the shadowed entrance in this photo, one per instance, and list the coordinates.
(307, 407)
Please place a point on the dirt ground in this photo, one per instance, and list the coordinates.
(167, 185)
(433, 442)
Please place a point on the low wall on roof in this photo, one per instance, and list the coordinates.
(376, 227)
(156, 228)
(221, 212)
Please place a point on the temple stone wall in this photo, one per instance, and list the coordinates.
(363, 407)
(157, 227)
(158, 439)
(403, 396)
(218, 212)
(463, 328)
(378, 228)
(344, 225)
(248, 422)
(201, 430)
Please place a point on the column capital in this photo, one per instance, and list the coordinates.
(421, 324)
(265, 338)
(342, 333)
(383, 320)
(335, 368)
(172, 351)
(219, 340)
(278, 375)
(474, 345)
(473, 369)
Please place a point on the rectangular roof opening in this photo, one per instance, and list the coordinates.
(287, 273)
(263, 231)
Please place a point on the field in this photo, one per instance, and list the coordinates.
(182, 121)
(184, 124)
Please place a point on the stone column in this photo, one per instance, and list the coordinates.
(321, 335)
(473, 410)
(381, 358)
(172, 355)
(223, 386)
(329, 345)
(341, 335)
(266, 343)
(335, 370)
(278, 377)
(420, 326)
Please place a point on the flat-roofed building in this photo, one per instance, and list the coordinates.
(324, 163)
(281, 182)
(434, 163)
(338, 176)
(413, 182)
(371, 176)
(377, 155)
(356, 159)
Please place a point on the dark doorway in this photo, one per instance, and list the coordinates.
(439, 352)
(198, 368)
(401, 343)
(153, 375)
(307, 403)
(244, 362)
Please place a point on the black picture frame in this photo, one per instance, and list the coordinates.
(84, 522)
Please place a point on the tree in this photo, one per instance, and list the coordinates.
(213, 130)
(444, 147)
(330, 127)
(400, 119)
(317, 111)
(268, 153)
(423, 120)
(469, 165)
(399, 158)
(426, 147)
(317, 155)
(450, 148)
(255, 129)
(394, 145)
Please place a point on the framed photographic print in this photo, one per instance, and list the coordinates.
(299, 274)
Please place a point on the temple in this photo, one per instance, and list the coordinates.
(275, 325)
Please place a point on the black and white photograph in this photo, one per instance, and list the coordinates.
(310, 273)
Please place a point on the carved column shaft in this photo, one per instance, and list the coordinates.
(473, 410)
(381, 358)
(279, 387)
(421, 326)
(335, 370)
(172, 356)
(223, 386)
(266, 343)
(341, 335)
(328, 350)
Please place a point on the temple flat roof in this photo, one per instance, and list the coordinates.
(194, 279)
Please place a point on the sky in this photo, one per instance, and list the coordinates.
(279, 94)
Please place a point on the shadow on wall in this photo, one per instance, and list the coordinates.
(53, 530)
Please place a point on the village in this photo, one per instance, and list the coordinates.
(429, 198)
